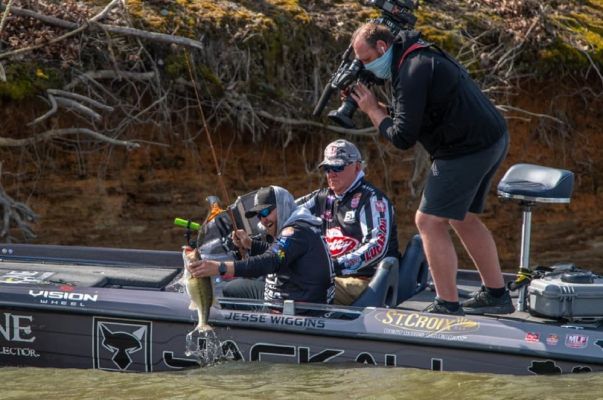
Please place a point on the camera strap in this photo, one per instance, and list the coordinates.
(422, 45)
(411, 48)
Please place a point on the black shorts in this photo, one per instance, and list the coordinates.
(460, 185)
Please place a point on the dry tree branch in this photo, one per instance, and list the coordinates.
(15, 211)
(521, 110)
(52, 133)
(109, 74)
(53, 109)
(153, 36)
(79, 29)
(81, 98)
(592, 63)
(80, 108)
(5, 15)
(356, 132)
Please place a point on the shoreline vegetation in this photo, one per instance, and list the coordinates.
(101, 122)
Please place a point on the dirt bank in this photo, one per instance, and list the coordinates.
(102, 196)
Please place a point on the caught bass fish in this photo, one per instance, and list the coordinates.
(200, 290)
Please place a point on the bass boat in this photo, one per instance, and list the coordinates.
(125, 310)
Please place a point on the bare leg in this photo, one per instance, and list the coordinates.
(479, 243)
(440, 254)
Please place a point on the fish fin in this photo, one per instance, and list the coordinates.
(192, 306)
(204, 328)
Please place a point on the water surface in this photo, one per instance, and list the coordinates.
(231, 380)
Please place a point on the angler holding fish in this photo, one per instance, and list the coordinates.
(295, 263)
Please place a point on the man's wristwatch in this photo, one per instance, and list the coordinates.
(222, 268)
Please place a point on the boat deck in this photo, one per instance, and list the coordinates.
(466, 286)
(132, 277)
(157, 271)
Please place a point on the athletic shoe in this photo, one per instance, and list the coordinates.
(483, 302)
(438, 308)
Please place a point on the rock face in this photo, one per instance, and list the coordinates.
(112, 197)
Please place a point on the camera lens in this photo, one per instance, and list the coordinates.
(343, 115)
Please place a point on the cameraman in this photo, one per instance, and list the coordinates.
(437, 104)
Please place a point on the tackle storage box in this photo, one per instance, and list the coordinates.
(572, 296)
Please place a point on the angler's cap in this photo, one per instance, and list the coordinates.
(264, 198)
(341, 152)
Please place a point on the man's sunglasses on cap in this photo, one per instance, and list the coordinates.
(334, 168)
(265, 212)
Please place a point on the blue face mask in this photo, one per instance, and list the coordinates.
(381, 66)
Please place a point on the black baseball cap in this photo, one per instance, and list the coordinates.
(264, 198)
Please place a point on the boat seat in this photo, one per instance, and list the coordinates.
(383, 288)
(413, 270)
(538, 184)
(532, 184)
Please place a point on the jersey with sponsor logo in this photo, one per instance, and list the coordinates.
(359, 227)
(297, 265)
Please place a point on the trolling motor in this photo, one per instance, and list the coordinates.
(397, 15)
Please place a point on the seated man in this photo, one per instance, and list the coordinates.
(358, 220)
(297, 264)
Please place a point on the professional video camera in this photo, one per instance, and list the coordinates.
(397, 15)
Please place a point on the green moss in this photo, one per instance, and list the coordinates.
(212, 81)
(26, 80)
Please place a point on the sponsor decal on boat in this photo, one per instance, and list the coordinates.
(18, 352)
(532, 337)
(26, 277)
(575, 341)
(417, 324)
(17, 328)
(121, 344)
(275, 319)
(72, 299)
(552, 339)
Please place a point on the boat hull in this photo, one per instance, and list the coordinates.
(39, 338)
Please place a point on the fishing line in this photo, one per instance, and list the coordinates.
(211, 144)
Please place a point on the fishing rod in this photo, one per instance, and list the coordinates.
(211, 143)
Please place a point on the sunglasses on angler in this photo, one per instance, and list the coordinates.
(265, 212)
(334, 168)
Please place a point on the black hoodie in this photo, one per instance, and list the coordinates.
(437, 104)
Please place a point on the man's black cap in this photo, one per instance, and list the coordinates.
(264, 198)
